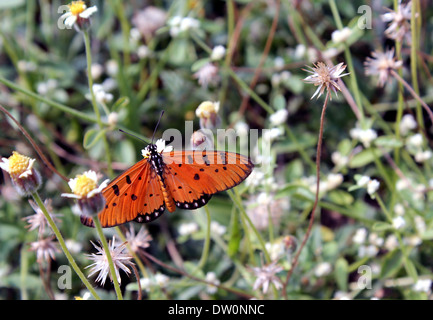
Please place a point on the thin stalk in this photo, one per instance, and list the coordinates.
(63, 245)
(316, 200)
(104, 243)
(51, 103)
(94, 104)
(414, 94)
(234, 197)
(414, 61)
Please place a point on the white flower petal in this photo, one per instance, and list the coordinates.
(88, 12)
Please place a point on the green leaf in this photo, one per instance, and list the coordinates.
(91, 137)
(411, 270)
(392, 264)
(341, 274)
(365, 157)
(279, 102)
(340, 197)
(199, 63)
(382, 226)
(121, 103)
(388, 141)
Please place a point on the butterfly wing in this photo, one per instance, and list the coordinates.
(134, 195)
(193, 176)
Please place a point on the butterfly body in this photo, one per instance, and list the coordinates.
(169, 180)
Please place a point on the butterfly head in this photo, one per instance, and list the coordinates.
(158, 147)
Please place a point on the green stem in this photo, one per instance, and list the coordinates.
(235, 198)
(413, 61)
(94, 104)
(253, 95)
(205, 253)
(63, 245)
(348, 57)
(51, 103)
(104, 243)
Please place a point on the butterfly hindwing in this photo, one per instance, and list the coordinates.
(193, 176)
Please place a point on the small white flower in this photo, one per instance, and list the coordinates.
(398, 222)
(365, 136)
(143, 52)
(420, 224)
(373, 186)
(360, 236)
(161, 280)
(363, 181)
(423, 285)
(368, 251)
(339, 160)
(415, 141)
(96, 70)
(112, 67)
(422, 156)
(323, 269)
(391, 242)
(189, 23)
(212, 278)
(412, 241)
(241, 129)
(275, 250)
(373, 238)
(218, 53)
(339, 36)
(145, 284)
(217, 228)
(399, 209)
(279, 117)
(186, 229)
(407, 123)
(270, 135)
(333, 181)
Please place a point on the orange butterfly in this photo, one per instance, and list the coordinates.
(169, 179)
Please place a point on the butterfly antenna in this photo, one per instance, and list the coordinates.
(132, 135)
(153, 136)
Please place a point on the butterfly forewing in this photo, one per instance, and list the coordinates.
(134, 195)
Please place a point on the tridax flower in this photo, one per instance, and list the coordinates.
(25, 178)
(325, 77)
(78, 14)
(266, 275)
(207, 111)
(85, 189)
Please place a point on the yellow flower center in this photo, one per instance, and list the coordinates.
(84, 185)
(18, 163)
(206, 108)
(76, 7)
